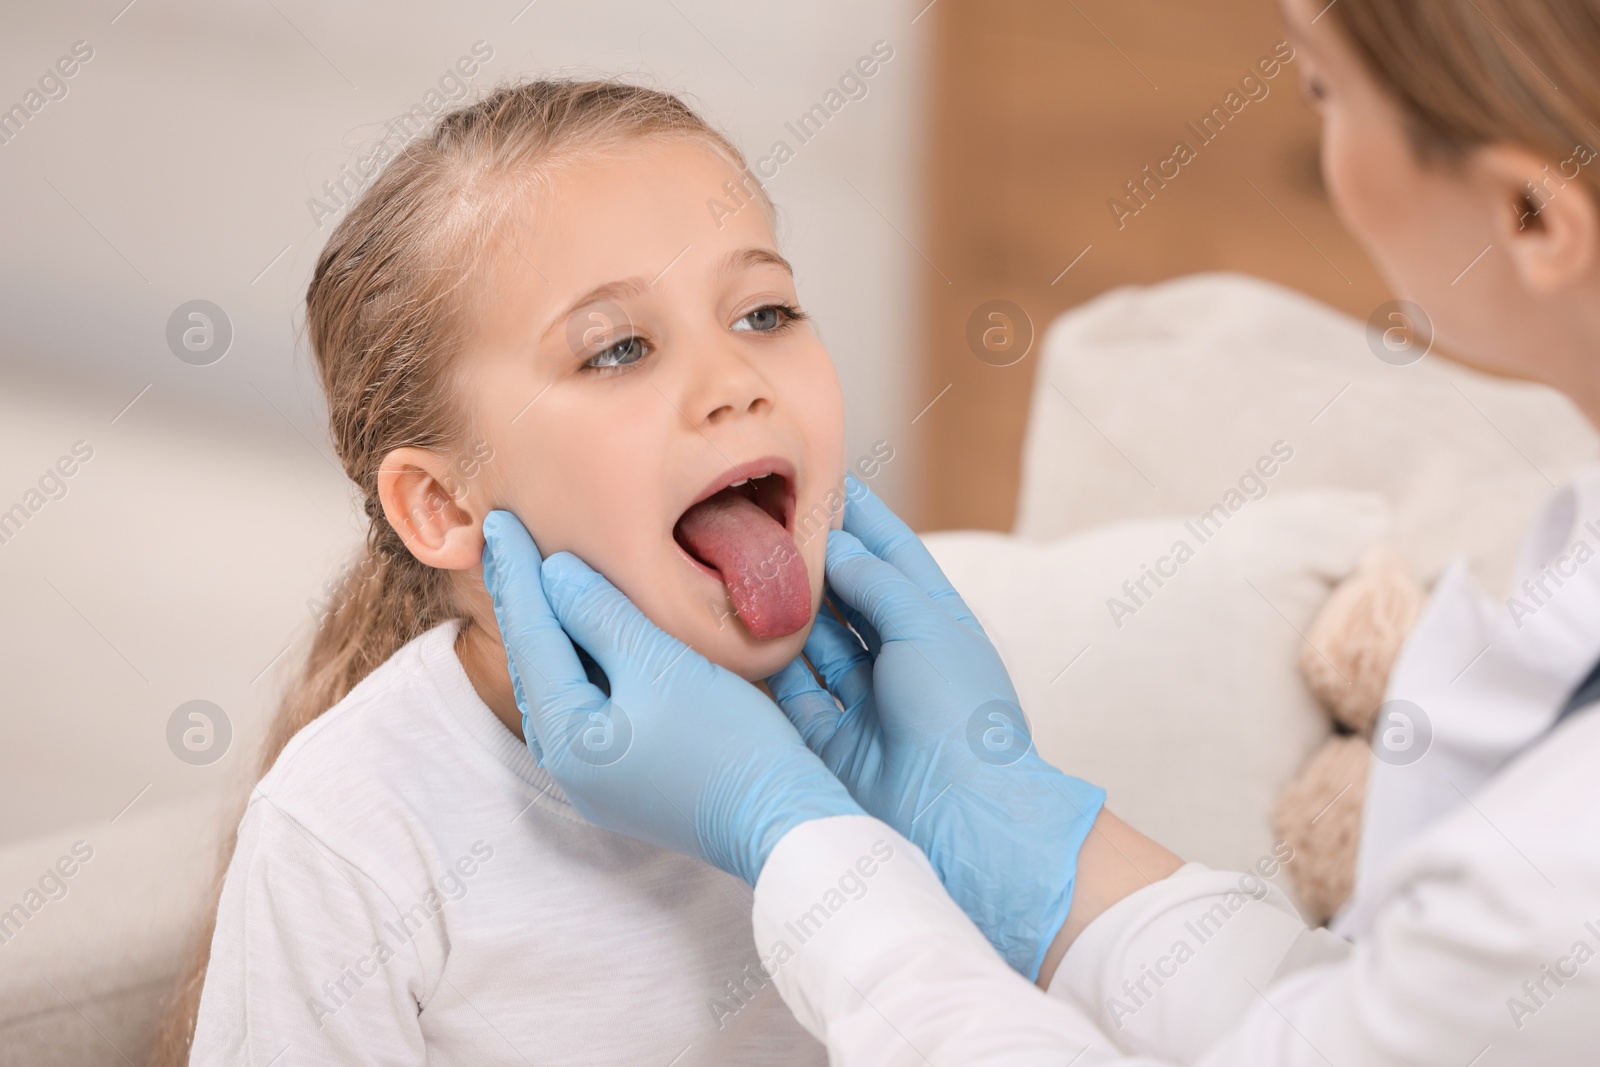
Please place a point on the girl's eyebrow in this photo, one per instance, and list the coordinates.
(740, 259)
(745, 258)
(607, 292)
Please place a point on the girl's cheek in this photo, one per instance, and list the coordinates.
(825, 404)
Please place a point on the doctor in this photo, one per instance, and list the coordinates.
(907, 890)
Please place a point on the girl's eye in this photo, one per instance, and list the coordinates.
(769, 319)
(627, 351)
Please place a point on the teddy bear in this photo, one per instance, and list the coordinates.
(1345, 660)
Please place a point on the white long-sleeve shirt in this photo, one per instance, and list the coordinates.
(1476, 921)
(410, 888)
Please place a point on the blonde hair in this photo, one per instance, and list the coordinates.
(387, 312)
(1469, 73)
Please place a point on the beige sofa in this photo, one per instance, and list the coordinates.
(179, 565)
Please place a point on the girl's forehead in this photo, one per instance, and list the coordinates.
(634, 210)
(652, 215)
(637, 182)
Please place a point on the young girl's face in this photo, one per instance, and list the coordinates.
(638, 352)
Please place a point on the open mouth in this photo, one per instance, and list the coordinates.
(739, 532)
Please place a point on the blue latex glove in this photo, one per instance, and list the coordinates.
(930, 737)
(682, 753)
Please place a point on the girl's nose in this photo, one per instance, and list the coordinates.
(724, 384)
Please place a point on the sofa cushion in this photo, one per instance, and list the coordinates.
(1149, 401)
(95, 925)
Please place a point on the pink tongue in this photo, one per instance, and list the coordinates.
(757, 559)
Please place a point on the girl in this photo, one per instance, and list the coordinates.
(531, 308)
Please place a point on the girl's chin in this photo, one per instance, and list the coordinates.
(755, 660)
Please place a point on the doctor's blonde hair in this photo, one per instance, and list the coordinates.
(1472, 73)
(387, 310)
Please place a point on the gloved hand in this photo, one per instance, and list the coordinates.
(930, 737)
(682, 753)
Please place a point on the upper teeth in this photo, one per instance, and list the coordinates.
(740, 482)
(753, 477)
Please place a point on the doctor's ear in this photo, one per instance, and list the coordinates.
(427, 502)
(1551, 227)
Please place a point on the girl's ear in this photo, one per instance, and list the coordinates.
(429, 506)
(1550, 226)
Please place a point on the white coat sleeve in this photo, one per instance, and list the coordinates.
(1483, 951)
(304, 969)
(1170, 970)
(879, 964)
